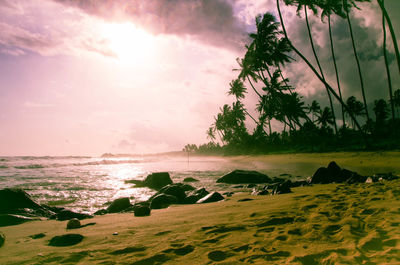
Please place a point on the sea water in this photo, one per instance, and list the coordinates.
(87, 184)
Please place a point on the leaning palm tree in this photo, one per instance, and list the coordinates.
(386, 15)
(328, 7)
(353, 118)
(347, 5)
(211, 134)
(387, 65)
(312, 4)
(314, 108)
(355, 107)
(325, 117)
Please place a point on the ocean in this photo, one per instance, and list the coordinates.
(87, 184)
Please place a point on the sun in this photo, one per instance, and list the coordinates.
(128, 42)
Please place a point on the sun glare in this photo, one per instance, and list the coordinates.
(130, 43)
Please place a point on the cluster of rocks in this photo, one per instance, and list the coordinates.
(17, 206)
(168, 193)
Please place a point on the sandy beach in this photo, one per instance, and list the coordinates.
(319, 224)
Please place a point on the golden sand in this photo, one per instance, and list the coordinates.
(321, 224)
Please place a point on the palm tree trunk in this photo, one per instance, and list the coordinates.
(334, 63)
(284, 80)
(357, 60)
(396, 47)
(316, 73)
(319, 65)
(387, 65)
(251, 84)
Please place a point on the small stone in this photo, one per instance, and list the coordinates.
(115, 234)
(73, 223)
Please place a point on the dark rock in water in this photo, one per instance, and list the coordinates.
(194, 196)
(334, 174)
(2, 239)
(141, 210)
(162, 201)
(119, 205)
(66, 240)
(243, 177)
(12, 219)
(73, 224)
(282, 188)
(177, 190)
(101, 212)
(157, 180)
(260, 191)
(67, 215)
(190, 180)
(12, 199)
(212, 197)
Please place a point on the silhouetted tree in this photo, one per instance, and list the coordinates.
(314, 109)
(355, 107)
(325, 117)
(381, 111)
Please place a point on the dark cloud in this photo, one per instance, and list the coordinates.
(209, 21)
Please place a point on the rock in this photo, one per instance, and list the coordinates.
(162, 201)
(157, 180)
(141, 210)
(73, 223)
(12, 199)
(385, 176)
(177, 190)
(282, 188)
(190, 180)
(212, 197)
(67, 215)
(101, 212)
(244, 177)
(260, 191)
(369, 180)
(300, 183)
(119, 205)
(13, 219)
(194, 196)
(2, 239)
(334, 174)
(66, 240)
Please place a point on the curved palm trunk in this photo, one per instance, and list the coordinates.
(396, 47)
(334, 63)
(319, 66)
(251, 84)
(357, 60)
(387, 65)
(316, 73)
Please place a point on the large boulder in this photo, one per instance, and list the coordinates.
(13, 219)
(195, 195)
(244, 177)
(119, 205)
(212, 197)
(13, 199)
(177, 190)
(282, 188)
(157, 180)
(162, 201)
(141, 209)
(334, 174)
(68, 214)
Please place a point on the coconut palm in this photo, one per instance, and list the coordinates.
(347, 5)
(387, 65)
(328, 7)
(329, 87)
(325, 117)
(312, 4)
(386, 15)
(396, 100)
(211, 134)
(314, 108)
(355, 107)
(381, 111)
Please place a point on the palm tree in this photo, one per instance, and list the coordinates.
(396, 100)
(311, 4)
(314, 108)
(347, 4)
(381, 111)
(328, 7)
(316, 72)
(387, 65)
(325, 117)
(396, 47)
(355, 107)
(211, 134)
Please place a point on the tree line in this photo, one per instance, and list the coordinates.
(306, 127)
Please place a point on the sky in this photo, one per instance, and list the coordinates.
(86, 77)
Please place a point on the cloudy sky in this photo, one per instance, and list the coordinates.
(85, 77)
